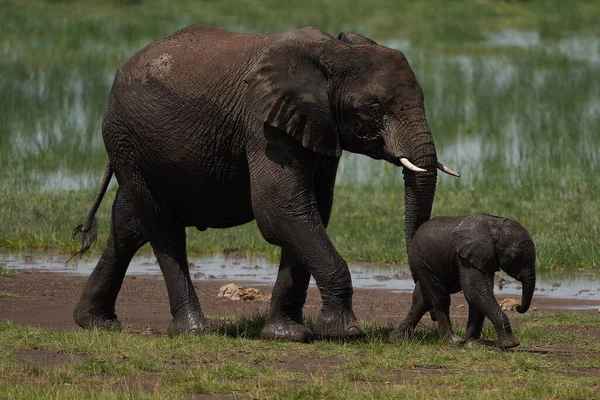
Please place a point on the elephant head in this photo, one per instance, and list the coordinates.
(350, 94)
(516, 256)
(491, 243)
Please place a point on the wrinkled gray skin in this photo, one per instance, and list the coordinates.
(450, 254)
(213, 129)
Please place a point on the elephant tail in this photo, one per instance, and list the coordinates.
(89, 229)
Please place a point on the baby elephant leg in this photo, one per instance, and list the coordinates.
(480, 293)
(418, 308)
(441, 309)
(474, 323)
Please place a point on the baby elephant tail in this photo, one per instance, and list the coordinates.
(89, 229)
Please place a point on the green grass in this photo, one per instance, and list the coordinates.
(4, 272)
(37, 362)
(366, 224)
(9, 294)
(519, 123)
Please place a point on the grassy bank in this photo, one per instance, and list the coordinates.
(511, 93)
(366, 224)
(37, 363)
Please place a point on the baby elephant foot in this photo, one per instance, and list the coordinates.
(190, 320)
(89, 319)
(280, 329)
(400, 334)
(507, 343)
(455, 339)
(338, 325)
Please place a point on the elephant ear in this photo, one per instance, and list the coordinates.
(287, 89)
(354, 38)
(474, 243)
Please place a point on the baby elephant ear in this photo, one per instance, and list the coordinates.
(354, 38)
(474, 243)
(287, 89)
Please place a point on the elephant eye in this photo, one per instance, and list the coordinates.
(370, 111)
(377, 109)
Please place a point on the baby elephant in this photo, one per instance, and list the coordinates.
(450, 254)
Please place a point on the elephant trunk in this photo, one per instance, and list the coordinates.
(528, 289)
(419, 187)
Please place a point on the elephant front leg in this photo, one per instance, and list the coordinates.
(474, 323)
(313, 249)
(289, 293)
(478, 289)
(288, 297)
(286, 207)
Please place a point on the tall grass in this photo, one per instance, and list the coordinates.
(518, 118)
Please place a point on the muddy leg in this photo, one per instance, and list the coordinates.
(169, 249)
(483, 297)
(442, 312)
(474, 323)
(289, 294)
(96, 307)
(418, 308)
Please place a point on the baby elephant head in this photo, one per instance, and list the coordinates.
(492, 243)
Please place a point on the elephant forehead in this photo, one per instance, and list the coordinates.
(389, 83)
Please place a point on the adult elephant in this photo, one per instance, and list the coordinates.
(213, 129)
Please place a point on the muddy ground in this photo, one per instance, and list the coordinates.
(46, 300)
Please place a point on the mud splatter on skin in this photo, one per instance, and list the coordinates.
(161, 66)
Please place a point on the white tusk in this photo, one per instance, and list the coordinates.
(411, 166)
(447, 170)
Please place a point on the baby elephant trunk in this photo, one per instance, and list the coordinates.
(528, 289)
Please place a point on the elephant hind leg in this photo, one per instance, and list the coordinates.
(441, 310)
(167, 238)
(96, 307)
(161, 227)
(169, 248)
(418, 308)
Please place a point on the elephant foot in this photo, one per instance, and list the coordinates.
(88, 319)
(188, 320)
(400, 334)
(286, 330)
(338, 325)
(507, 343)
(455, 339)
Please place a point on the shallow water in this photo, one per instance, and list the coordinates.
(585, 48)
(580, 285)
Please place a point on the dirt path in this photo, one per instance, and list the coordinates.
(46, 300)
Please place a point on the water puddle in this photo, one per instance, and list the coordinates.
(583, 285)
